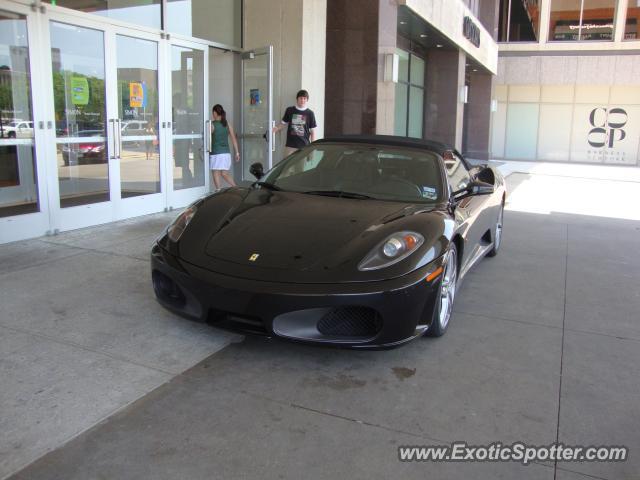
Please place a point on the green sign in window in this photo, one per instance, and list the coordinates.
(79, 91)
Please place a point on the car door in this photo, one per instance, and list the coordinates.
(468, 211)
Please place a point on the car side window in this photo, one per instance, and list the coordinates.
(457, 171)
(303, 163)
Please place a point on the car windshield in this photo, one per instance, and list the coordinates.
(361, 171)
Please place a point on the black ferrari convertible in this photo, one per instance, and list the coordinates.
(353, 241)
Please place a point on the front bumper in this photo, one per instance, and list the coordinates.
(357, 315)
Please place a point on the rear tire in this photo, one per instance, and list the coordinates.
(497, 233)
(446, 294)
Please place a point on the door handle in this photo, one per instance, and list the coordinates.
(273, 136)
(119, 136)
(207, 135)
(112, 127)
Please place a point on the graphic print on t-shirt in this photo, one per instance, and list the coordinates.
(297, 124)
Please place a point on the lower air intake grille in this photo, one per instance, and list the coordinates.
(350, 322)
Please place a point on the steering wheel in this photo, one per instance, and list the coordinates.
(407, 188)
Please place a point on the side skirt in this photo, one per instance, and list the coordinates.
(480, 252)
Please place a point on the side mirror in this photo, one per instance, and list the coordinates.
(475, 187)
(486, 175)
(257, 170)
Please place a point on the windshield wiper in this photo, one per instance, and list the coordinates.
(339, 193)
(267, 185)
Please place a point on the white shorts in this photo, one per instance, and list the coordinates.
(220, 161)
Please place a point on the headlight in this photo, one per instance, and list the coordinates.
(177, 228)
(395, 248)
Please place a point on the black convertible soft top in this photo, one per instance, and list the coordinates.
(436, 147)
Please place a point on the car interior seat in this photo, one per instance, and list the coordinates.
(357, 171)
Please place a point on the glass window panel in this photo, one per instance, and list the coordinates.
(564, 22)
(416, 105)
(215, 20)
(417, 71)
(597, 20)
(403, 67)
(140, 12)
(633, 18)
(187, 84)
(18, 179)
(521, 19)
(522, 131)
(554, 139)
(400, 124)
(77, 56)
(138, 110)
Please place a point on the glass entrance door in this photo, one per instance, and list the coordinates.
(187, 153)
(136, 126)
(106, 114)
(79, 91)
(257, 112)
(22, 209)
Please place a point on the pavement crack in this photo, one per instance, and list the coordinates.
(45, 262)
(564, 316)
(86, 348)
(587, 475)
(524, 322)
(343, 417)
(96, 250)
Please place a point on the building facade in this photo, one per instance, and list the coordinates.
(105, 105)
(568, 84)
(417, 68)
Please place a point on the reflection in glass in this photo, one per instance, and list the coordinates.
(416, 103)
(597, 20)
(138, 110)
(216, 20)
(633, 19)
(576, 20)
(77, 56)
(18, 179)
(187, 83)
(409, 96)
(401, 102)
(519, 20)
(403, 65)
(417, 71)
(140, 12)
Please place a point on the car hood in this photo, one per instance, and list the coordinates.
(294, 237)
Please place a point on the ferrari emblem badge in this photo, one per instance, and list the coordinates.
(254, 257)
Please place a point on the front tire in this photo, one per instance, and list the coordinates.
(446, 294)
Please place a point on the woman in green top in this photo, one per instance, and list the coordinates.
(220, 157)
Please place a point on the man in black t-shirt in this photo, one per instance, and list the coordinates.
(300, 122)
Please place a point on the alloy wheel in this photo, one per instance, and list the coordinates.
(448, 289)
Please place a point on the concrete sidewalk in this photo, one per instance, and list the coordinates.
(81, 335)
(544, 346)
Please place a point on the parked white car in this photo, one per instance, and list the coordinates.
(18, 129)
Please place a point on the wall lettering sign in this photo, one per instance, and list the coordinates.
(471, 31)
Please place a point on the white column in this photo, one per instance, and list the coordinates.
(545, 12)
(314, 43)
(620, 20)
